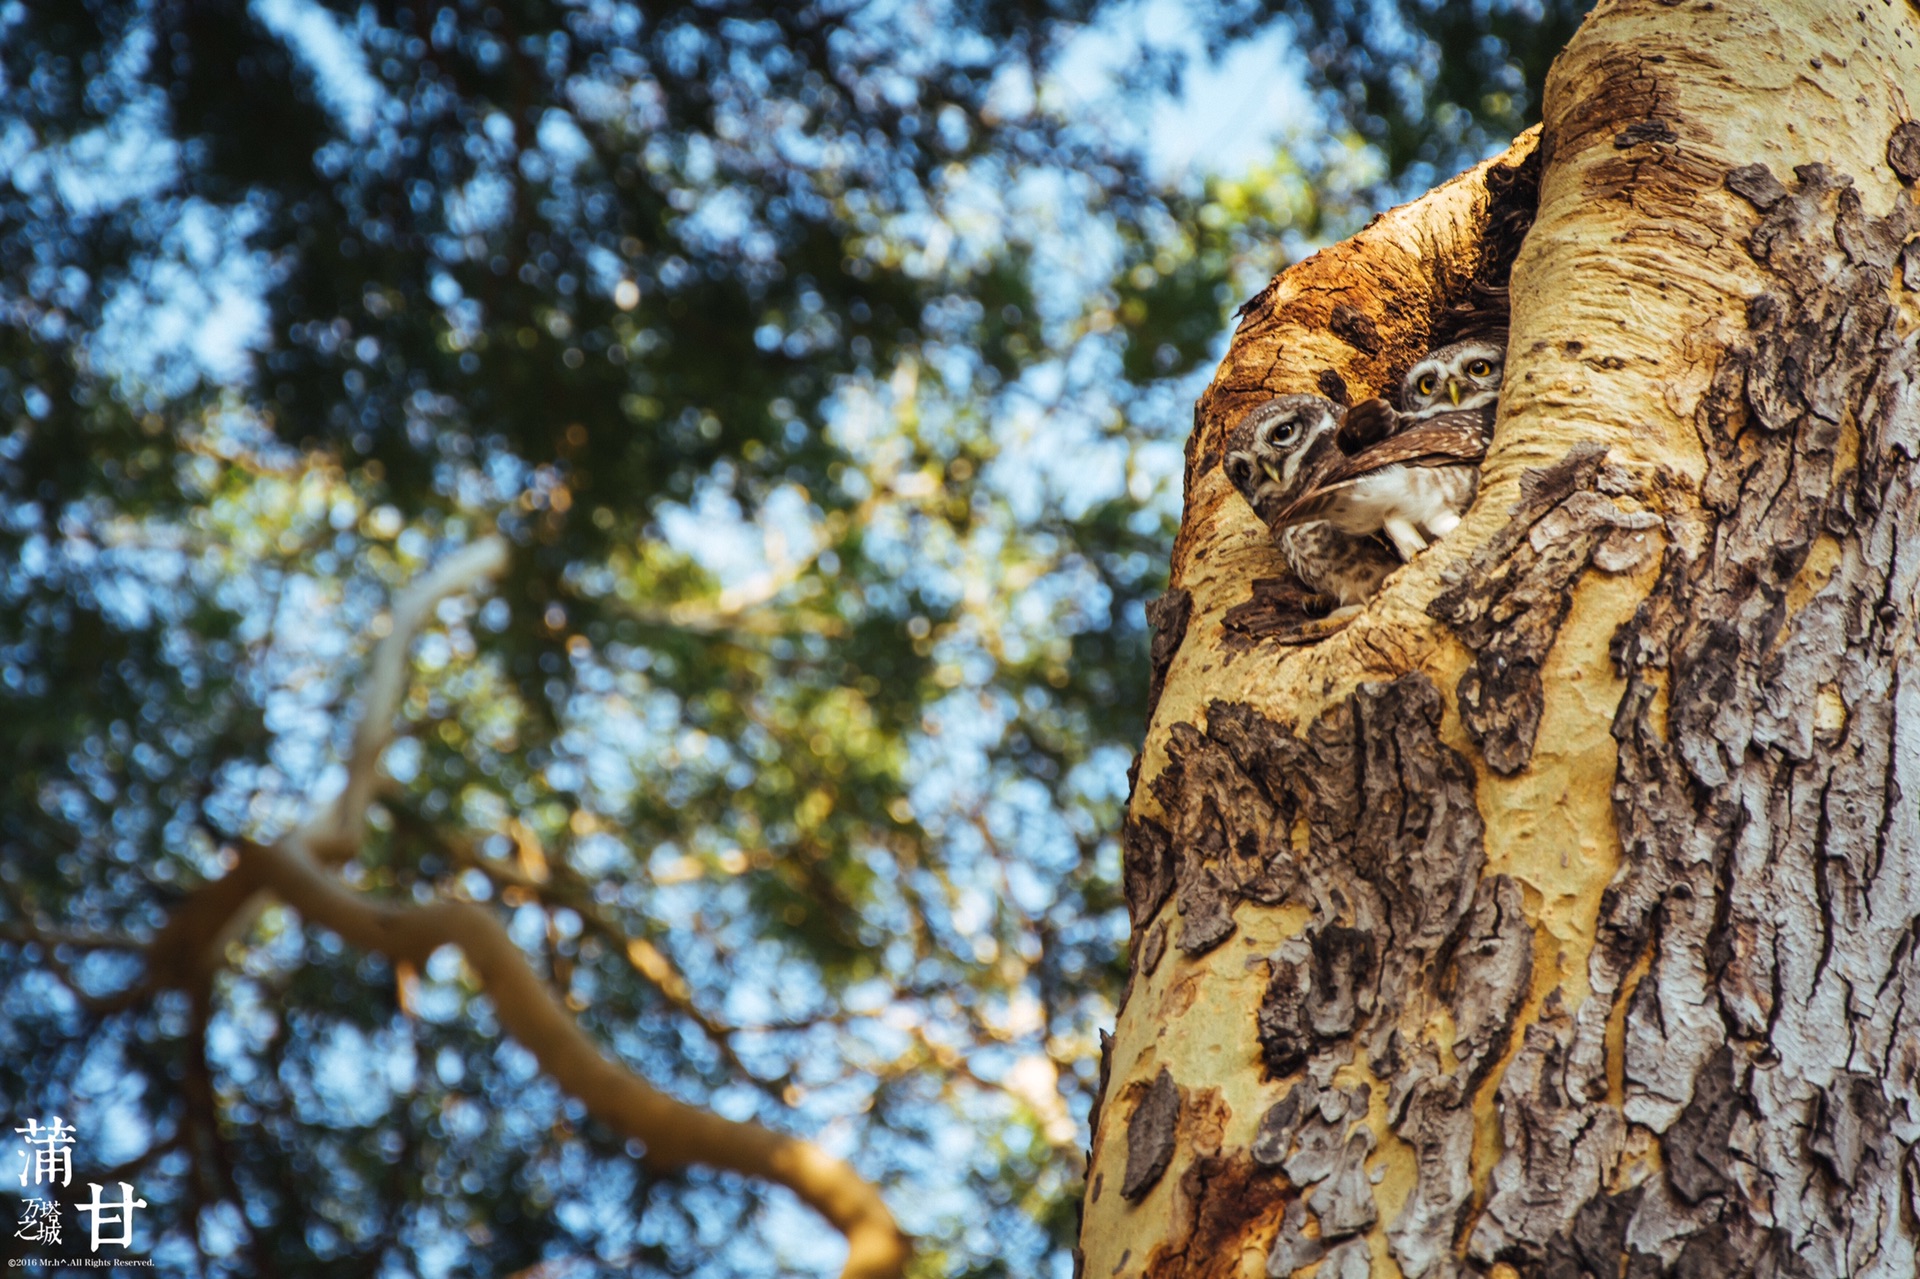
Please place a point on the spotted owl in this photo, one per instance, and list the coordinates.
(1280, 451)
(1411, 472)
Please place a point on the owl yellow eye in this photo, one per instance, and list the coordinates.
(1480, 368)
(1426, 384)
(1285, 434)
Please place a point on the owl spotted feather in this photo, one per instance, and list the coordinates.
(1410, 473)
(1325, 480)
(1280, 451)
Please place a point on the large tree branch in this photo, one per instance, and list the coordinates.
(189, 947)
(674, 1133)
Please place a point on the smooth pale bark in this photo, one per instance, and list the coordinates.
(1557, 916)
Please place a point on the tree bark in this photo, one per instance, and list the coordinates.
(1557, 916)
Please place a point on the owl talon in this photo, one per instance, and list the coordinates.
(1405, 537)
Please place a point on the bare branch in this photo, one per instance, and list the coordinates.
(675, 1134)
(191, 945)
(335, 835)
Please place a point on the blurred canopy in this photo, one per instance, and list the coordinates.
(828, 373)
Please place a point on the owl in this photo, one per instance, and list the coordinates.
(1280, 451)
(1464, 377)
(1410, 473)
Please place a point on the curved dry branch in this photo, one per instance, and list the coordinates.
(675, 1133)
(188, 949)
(335, 834)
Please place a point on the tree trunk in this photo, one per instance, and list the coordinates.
(1557, 916)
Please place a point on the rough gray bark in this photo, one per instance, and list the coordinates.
(1519, 587)
(1768, 762)
(1406, 924)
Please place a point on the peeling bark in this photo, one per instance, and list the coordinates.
(1292, 1249)
(1146, 864)
(1168, 616)
(1407, 926)
(1517, 590)
(1768, 862)
(1150, 1135)
(1275, 610)
(1753, 1046)
(1221, 1196)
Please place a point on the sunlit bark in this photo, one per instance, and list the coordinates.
(1556, 917)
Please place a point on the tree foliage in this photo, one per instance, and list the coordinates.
(827, 381)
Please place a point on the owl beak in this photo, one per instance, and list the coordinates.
(1453, 391)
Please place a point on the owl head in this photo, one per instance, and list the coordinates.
(1465, 375)
(1276, 450)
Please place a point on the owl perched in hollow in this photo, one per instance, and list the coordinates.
(1279, 452)
(1464, 377)
(1412, 472)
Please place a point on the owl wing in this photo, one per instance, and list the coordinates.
(1446, 439)
(1367, 423)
